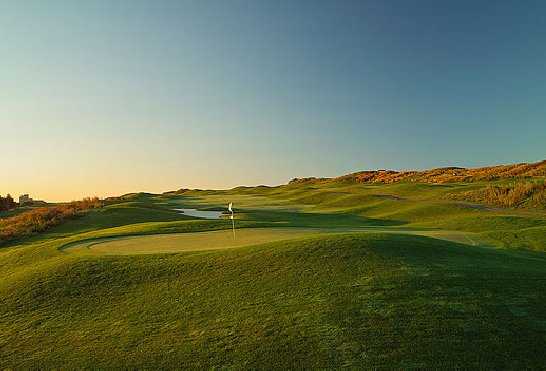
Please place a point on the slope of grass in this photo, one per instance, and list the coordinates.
(526, 238)
(354, 300)
(480, 222)
(118, 215)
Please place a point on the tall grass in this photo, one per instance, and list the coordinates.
(441, 175)
(42, 218)
(516, 194)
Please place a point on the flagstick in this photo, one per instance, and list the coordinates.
(230, 208)
(233, 224)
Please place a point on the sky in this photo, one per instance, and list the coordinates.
(109, 97)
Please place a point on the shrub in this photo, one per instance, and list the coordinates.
(40, 219)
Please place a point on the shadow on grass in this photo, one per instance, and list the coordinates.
(305, 219)
(441, 302)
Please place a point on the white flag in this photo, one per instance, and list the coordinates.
(230, 208)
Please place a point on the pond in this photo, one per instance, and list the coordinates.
(206, 214)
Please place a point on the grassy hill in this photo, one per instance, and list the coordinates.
(366, 300)
(355, 274)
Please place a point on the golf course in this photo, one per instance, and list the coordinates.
(272, 185)
(314, 274)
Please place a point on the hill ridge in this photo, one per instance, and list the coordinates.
(448, 174)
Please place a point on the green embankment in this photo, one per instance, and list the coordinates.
(354, 300)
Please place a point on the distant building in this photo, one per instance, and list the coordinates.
(24, 199)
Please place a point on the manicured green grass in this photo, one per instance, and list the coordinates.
(145, 243)
(180, 242)
(525, 238)
(357, 300)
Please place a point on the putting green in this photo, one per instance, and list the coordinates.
(179, 242)
(223, 239)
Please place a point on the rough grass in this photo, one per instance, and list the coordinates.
(513, 194)
(438, 175)
(36, 220)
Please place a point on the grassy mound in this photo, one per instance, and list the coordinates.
(354, 300)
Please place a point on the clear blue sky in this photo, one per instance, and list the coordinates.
(107, 97)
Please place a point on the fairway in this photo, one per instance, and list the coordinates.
(179, 242)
